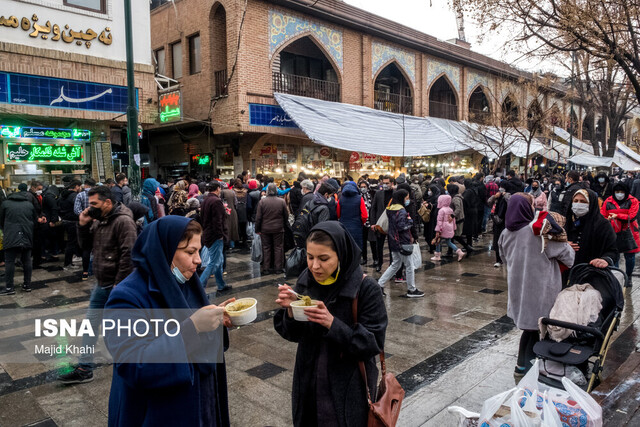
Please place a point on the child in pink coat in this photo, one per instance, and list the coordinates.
(445, 228)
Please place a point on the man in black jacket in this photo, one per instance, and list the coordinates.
(573, 184)
(307, 194)
(17, 219)
(70, 222)
(517, 184)
(380, 201)
(214, 224)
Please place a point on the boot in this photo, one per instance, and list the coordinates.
(436, 257)
(460, 254)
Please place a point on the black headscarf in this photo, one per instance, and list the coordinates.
(435, 193)
(596, 236)
(620, 187)
(347, 249)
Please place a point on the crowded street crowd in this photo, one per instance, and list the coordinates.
(320, 232)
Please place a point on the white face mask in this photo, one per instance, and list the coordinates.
(619, 196)
(601, 180)
(580, 209)
(39, 192)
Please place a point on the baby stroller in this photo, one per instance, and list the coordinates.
(586, 349)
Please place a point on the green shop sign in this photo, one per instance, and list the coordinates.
(44, 133)
(44, 153)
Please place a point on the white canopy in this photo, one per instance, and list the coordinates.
(586, 159)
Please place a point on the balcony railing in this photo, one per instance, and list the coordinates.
(221, 88)
(393, 102)
(306, 86)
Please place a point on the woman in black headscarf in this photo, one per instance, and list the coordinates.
(328, 389)
(589, 233)
(166, 379)
(430, 198)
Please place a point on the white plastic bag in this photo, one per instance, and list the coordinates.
(550, 417)
(204, 256)
(465, 418)
(256, 249)
(586, 402)
(251, 230)
(491, 406)
(416, 257)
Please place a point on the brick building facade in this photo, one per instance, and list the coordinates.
(332, 51)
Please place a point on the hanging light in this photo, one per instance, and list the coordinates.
(278, 170)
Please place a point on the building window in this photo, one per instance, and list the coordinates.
(195, 66)
(176, 59)
(93, 5)
(160, 62)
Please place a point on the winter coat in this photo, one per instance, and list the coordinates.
(50, 203)
(566, 197)
(534, 279)
(470, 199)
(127, 197)
(306, 198)
(327, 360)
(214, 225)
(627, 211)
(605, 190)
(241, 195)
(380, 201)
(229, 197)
(271, 215)
(319, 209)
(400, 224)
(352, 211)
(445, 225)
(252, 205)
(17, 219)
(457, 204)
(540, 202)
(116, 190)
(295, 197)
(67, 201)
(112, 239)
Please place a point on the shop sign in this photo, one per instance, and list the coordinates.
(355, 156)
(325, 152)
(170, 106)
(369, 157)
(268, 149)
(39, 91)
(56, 32)
(269, 115)
(385, 159)
(201, 159)
(44, 153)
(44, 133)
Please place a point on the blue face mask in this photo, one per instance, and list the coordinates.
(178, 275)
(407, 202)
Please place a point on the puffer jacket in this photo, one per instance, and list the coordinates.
(446, 226)
(17, 218)
(400, 224)
(112, 239)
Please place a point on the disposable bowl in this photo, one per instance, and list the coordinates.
(298, 309)
(243, 317)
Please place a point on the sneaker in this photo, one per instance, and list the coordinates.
(7, 292)
(401, 280)
(85, 276)
(76, 259)
(224, 290)
(518, 372)
(26, 288)
(71, 268)
(415, 293)
(497, 265)
(77, 376)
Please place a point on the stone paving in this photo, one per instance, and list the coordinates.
(453, 347)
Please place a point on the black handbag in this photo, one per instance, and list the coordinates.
(625, 241)
(406, 250)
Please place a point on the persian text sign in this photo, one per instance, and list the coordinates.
(44, 133)
(170, 107)
(44, 153)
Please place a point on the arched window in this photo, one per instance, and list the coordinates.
(392, 91)
(510, 112)
(442, 100)
(535, 118)
(302, 68)
(219, 51)
(479, 107)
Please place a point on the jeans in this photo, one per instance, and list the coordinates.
(10, 264)
(448, 242)
(396, 264)
(629, 263)
(485, 218)
(215, 266)
(98, 299)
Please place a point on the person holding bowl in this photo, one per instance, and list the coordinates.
(328, 388)
(167, 379)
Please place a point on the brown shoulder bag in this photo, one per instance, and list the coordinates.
(385, 410)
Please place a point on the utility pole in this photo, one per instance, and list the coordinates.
(132, 111)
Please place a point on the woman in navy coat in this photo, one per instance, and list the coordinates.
(166, 256)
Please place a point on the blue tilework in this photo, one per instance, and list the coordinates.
(70, 94)
(269, 115)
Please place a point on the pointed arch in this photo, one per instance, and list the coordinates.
(443, 98)
(392, 89)
(479, 105)
(404, 72)
(510, 110)
(317, 42)
(218, 49)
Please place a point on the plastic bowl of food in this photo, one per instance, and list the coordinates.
(242, 311)
(298, 307)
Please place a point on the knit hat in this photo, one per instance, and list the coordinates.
(401, 179)
(334, 184)
(253, 184)
(22, 187)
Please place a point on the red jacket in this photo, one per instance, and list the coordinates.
(626, 216)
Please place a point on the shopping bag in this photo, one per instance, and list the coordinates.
(251, 228)
(416, 256)
(204, 256)
(296, 263)
(382, 225)
(465, 418)
(256, 249)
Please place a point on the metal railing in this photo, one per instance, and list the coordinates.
(220, 82)
(392, 102)
(443, 110)
(306, 86)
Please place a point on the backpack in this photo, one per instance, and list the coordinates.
(303, 224)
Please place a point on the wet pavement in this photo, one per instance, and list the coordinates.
(453, 347)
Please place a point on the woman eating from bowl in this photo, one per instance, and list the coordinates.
(328, 389)
(156, 380)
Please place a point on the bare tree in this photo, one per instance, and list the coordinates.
(605, 30)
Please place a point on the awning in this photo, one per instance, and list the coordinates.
(578, 146)
(356, 128)
(586, 159)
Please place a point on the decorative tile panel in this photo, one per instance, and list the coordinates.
(283, 27)
(436, 68)
(509, 88)
(474, 79)
(381, 54)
